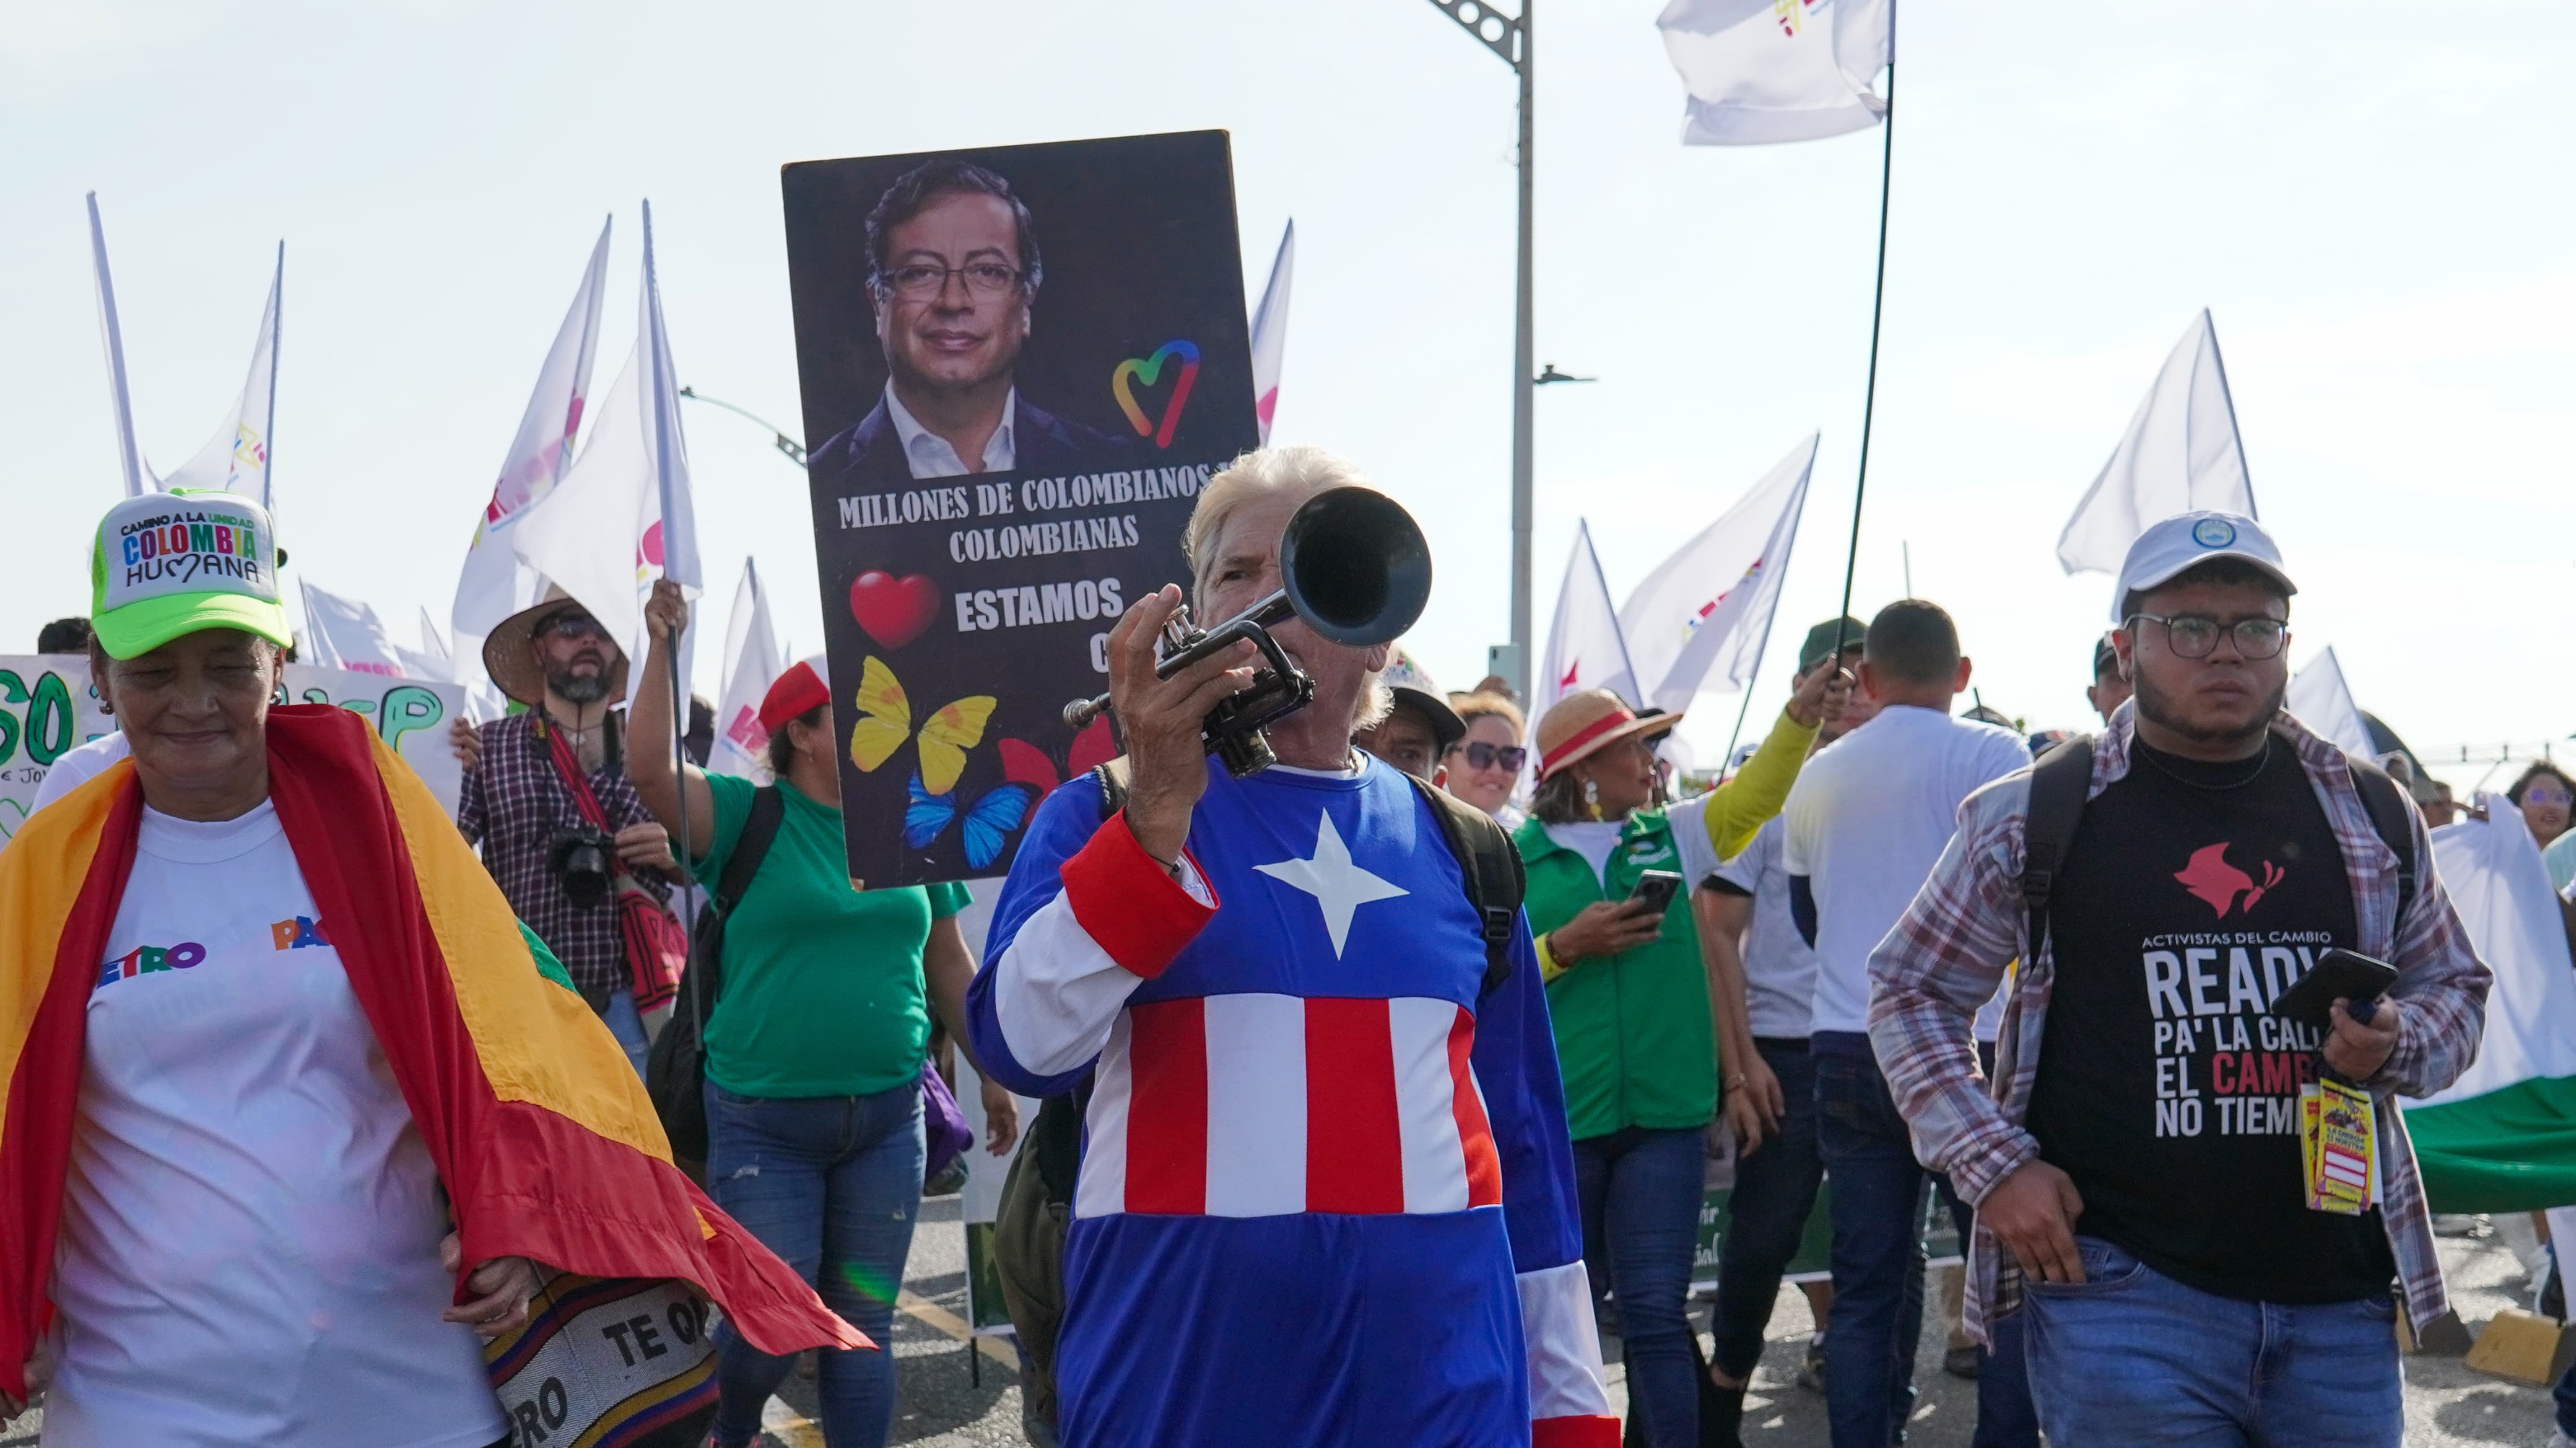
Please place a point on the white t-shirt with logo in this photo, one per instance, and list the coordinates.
(249, 1249)
(78, 766)
(1867, 821)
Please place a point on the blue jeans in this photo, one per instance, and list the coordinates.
(2131, 1356)
(1766, 1213)
(1877, 1319)
(832, 1185)
(627, 1025)
(1640, 1194)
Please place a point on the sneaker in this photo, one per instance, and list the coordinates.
(1961, 1362)
(1811, 1365)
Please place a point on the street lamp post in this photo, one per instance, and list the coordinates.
(1509, 38)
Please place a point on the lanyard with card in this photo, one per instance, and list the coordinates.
(2337, 1120)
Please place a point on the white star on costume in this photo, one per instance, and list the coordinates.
(1339, 886)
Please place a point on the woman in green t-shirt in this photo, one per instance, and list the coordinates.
(814, 1051)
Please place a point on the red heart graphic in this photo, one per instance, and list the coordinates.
(894, 611)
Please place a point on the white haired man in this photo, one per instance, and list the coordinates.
(1325, 1158)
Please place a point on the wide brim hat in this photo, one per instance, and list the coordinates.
(513, 665)
(166, 564)
(1582, 725)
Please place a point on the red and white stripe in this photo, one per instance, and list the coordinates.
(1263, 1105)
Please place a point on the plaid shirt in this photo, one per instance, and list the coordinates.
(1949, 952)
(514, 805)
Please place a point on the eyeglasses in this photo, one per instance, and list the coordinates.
(2546, 794)
(1481, 755)
(985, 280)
(570, 625)
(2194, 637)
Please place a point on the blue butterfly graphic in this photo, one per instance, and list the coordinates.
(989, 821)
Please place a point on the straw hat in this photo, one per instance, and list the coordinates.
(513, 665)
(1582, 725)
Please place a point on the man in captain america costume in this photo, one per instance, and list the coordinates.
(1326, 1195)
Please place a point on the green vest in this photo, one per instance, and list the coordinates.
(1632, 1030)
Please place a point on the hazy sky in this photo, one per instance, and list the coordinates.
(2373, 200)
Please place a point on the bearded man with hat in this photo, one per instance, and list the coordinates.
(816, 1035)
(542, 784)
(1628, 997)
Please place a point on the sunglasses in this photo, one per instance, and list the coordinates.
(1481, 755)
(571, 625)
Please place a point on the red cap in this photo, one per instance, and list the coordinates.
(799, 689)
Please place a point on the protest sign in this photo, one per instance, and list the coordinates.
(411, 714)
(46, 710)
(1019, 365)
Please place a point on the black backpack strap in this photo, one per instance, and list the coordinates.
(1489, 871)
(2059, 783)
(759, 828)
(2388, 815)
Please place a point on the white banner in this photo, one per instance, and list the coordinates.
(235, 459)
(752, 663)
(1699, 620)
(1584, 646)
(494, 584)
(2181, 453)
(47, 709)
(1759, 71)
(1270, 332)
(2497, 883)
(343, 633)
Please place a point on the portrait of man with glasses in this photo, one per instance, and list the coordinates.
(953, 271)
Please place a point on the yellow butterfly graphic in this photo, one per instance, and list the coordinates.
(885, 721)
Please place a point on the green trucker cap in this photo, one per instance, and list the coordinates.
(166, 564)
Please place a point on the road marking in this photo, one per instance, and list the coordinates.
(790, 1427)
(921, 1309)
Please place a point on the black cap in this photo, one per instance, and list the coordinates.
(1658, 736)
(1820, 641)
(2105, 657)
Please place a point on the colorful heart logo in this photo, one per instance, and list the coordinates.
(894, 611)
(1146, 370)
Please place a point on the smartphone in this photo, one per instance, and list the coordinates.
(1656, 888)
(2339, 975)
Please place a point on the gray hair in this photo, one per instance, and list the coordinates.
(1298, 471)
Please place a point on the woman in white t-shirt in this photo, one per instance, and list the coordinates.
(222, 1221)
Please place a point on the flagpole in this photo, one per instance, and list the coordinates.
(662, 472)
(128, 452)
(268, 438)
(1877, 306)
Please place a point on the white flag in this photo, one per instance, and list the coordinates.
(432, 643)
(112, 334)
(2494, 876)
(1270, 332)
(600, 532)
(752, 663)
(494, 584)
(1759, 71)
(235, 459)
(2322, 701)
(2181, 454)
(1584, 647)
(343, 633)
(1698, 622)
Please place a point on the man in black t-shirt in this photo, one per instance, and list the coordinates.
(2138, 1156)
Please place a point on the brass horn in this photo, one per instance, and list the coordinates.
(1353, 565)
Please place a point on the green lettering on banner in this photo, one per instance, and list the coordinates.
(14, 690)
(50, 722)
(405, 709)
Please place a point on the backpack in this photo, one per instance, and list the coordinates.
(675, 1072)
(2063, 777)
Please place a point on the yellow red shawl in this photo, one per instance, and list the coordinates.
(547, 1144)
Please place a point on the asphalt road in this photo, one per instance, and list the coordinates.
(943, 1404)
